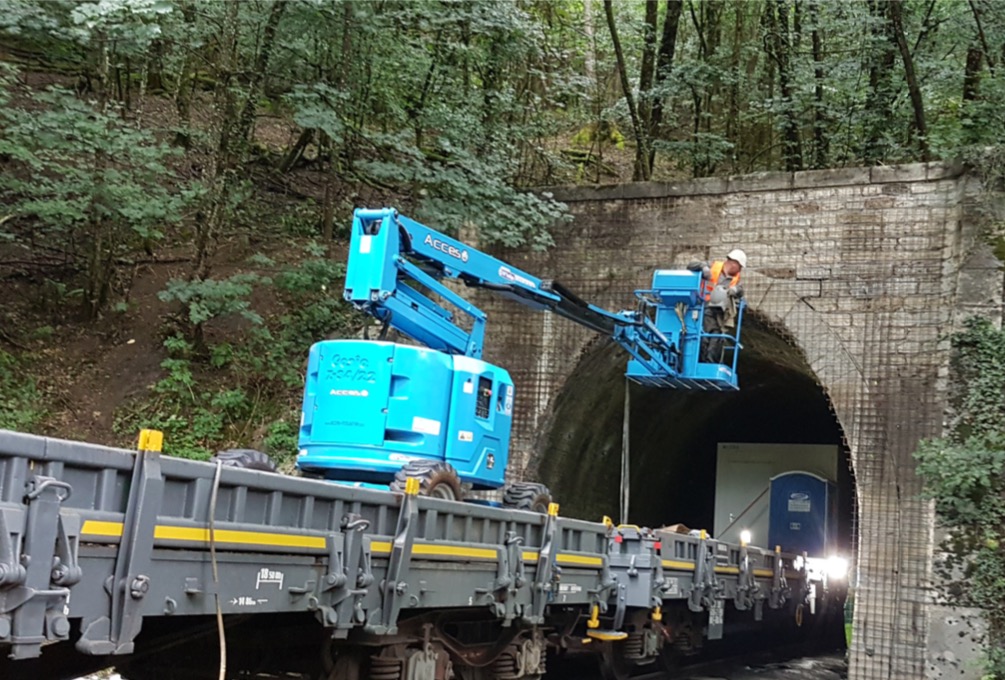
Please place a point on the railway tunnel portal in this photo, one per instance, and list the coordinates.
(674, 436)
(856, 277)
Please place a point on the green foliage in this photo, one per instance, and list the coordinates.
(281, 440)
(309, 294)
(425, 99)
(206, 299)
(194, 417)
(87, 184)
(301, 220)
(980, 372)
(20, 402)
(965, 476)
(319, 107)
(246, 393)
(600, 133)
(457, 186)
(441, 119)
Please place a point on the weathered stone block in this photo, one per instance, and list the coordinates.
(807, 289)
(925, 188)
(910, 172)
(761, 181)
(945, 169)
(705, 185)
(814, 179)
(879, 202)
(643, 190)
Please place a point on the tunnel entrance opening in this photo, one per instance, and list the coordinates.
(675, 434)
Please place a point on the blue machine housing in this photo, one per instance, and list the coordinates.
(370, 407)
(678, 308)
(803, 513)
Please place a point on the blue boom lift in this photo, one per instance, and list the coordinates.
(377, 412)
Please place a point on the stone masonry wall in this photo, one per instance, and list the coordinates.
(863, 267)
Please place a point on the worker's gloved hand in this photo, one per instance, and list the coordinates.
(695, 266)
(736, 292)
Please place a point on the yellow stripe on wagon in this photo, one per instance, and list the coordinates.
(437, 550)
(164, 532)
(167, 532)
(197, 535)
(568, 559)
(579, 560)
(676, 564)
(93, 527)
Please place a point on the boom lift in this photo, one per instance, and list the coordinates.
(377, 412)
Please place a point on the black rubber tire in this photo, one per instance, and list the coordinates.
(436, 478)
(529, 496)
(249, 459)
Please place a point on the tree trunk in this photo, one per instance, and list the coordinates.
(988, 54)
(186, 80)
(225, 118)
(332, 178)
(821, 141)
(258, 75)
(590, 64)
(879, 100)
(328, 202)
(98, 237)
(141, 92)
(779, 49)
(296, 151)
(648, 66)
(664, 65)
(972, 73)
(641, 171)
(917, 103)
(708, 27)
(417, 107)
(233, 128)
(155, 67)
(129, 83)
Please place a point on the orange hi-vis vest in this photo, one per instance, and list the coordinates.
(708, 285)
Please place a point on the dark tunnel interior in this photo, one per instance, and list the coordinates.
(674, 434)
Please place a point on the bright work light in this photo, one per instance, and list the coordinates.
(837, 567)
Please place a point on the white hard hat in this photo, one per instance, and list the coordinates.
(739, 256)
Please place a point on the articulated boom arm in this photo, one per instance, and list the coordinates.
(390, 254)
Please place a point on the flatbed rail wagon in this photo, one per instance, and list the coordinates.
(153, 564)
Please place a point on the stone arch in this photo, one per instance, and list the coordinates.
(815, 351)
(859, 266)
(833, 366)
(830, 365)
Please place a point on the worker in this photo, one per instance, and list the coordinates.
(721, 288)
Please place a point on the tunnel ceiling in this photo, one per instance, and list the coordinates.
(674, 434)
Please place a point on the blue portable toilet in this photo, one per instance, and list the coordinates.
(803, 514)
